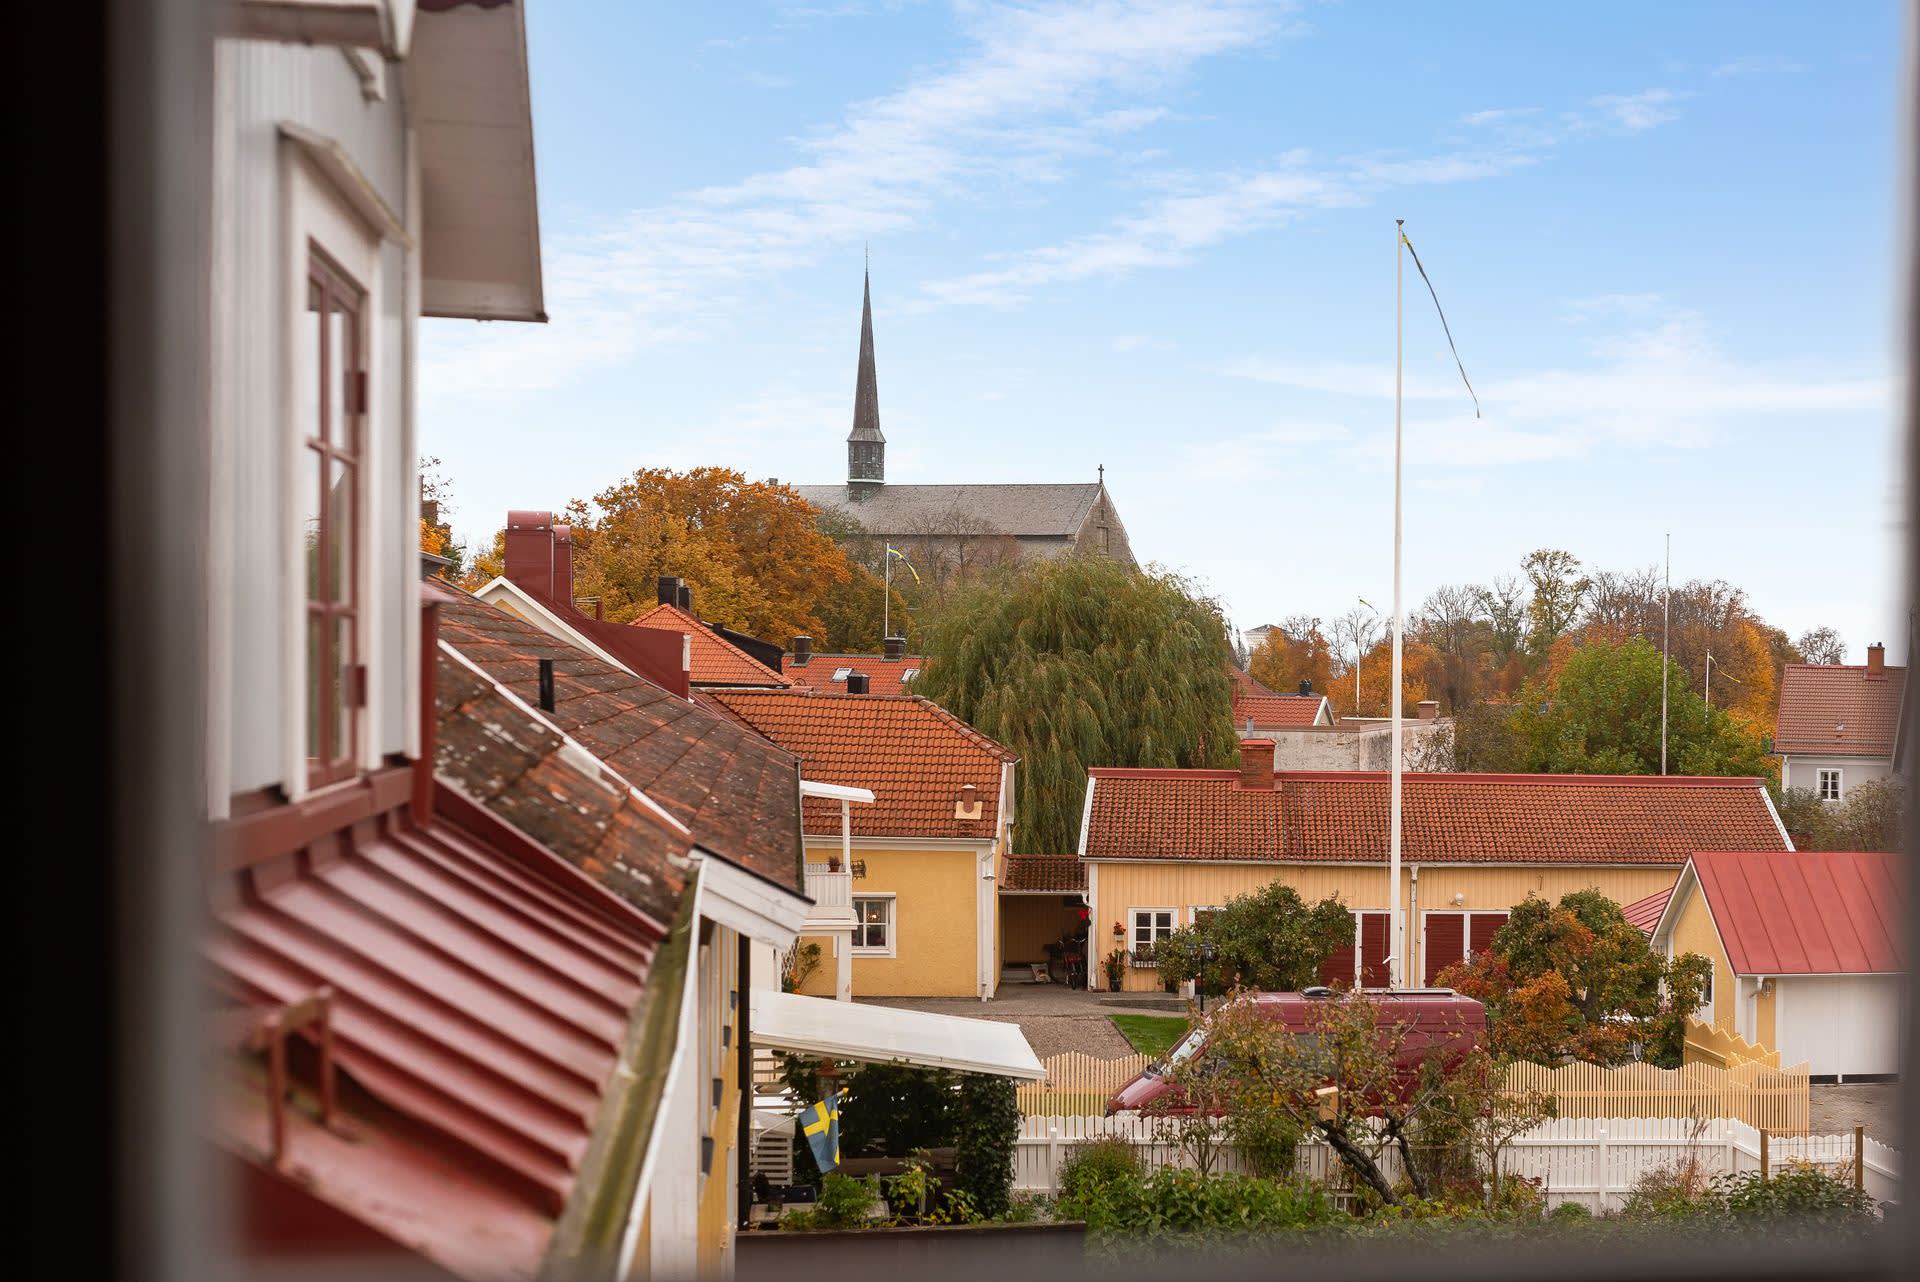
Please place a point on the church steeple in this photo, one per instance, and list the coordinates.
(866, 447)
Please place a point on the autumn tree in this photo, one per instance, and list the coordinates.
(1556, 589)
(436, 532)
(1872, 816)
(1576, 980)
(1271, 940)
(1082, 661)
(1295, 650)
(1453, 625)
(1821, 645)
(1600, 714)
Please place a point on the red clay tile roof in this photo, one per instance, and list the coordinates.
(727, 783)
(883, 674)
(1645, 913)
(716, 661)
(1277, 711)
(1062, 873)
(483, 994)
(1838, 710)
(913, 754)
(1243, 682)
(1314, 816)
(500, 754)
(1805, 913)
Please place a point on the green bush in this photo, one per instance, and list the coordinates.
(844, 1202)
(1098, 1162)
(1568, 1212)
(1183, 1204)
(1267, 1139)
(987, 1130)
(1802, 1193)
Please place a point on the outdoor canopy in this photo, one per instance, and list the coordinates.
(883, 1035)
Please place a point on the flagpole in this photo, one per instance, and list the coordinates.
(1396, 955)
(886, 595)
(1666, 607)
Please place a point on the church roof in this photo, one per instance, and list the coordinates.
(1025, 511)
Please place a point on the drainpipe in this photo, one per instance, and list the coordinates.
(743, 1044)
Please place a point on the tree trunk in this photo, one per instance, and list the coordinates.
(1415, 1175)
(1358, 1160)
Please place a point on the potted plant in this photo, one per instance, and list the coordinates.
(833, 863)
(1115, 964)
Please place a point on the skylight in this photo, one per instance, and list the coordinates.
(908, 675)
(841, 674)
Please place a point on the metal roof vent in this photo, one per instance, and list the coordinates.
(968, 804)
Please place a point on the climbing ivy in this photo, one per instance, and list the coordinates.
(986, 1133)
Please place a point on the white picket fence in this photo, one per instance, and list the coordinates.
(1593, 1161)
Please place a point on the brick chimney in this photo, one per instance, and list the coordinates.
(802, 651)
(667, 590)
(1429, 709)
(895, 647)
(1877, 660)
(530, 552)
(563, 564)
(1256, 764)
(1306, 686)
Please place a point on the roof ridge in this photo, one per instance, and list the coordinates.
(1462, 776)
(697, 626)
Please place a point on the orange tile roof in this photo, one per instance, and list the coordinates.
(883, 674)
(1050, 873)
(1341, 817)
(1838, 710)
(1277, 711)
(716, 660)
(913, 754)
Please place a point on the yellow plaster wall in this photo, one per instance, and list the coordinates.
(715, 1225)
(1693, 933)
(1763, 1025)
(935, 923)
(1120, 887)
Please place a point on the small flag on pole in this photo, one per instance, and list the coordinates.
(823, 1132)
(893, 551)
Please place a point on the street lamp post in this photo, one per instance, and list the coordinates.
(1200, 985)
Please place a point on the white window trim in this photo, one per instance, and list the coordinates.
(1133, 915)
(1839, 782)
(317, 213)
(893, 925)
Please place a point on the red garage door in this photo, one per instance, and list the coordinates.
(1446, 943)
(1370, 934)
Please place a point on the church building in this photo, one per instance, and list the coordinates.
(955, 525)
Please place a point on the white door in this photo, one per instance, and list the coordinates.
(1841, 1024)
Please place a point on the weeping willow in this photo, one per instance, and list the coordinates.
(1080, 662)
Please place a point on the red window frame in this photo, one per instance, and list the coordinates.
(331, 455)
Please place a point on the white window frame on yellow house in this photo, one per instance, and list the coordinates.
(1153, 927)
(892, 924)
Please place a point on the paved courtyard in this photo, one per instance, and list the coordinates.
(1055, 1018)
(1836, 1110)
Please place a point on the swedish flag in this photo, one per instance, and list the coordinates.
(894, 552)
(823, 1132)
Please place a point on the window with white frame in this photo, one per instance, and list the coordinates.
(873, 928)
(1150, 926)
(1829, 786)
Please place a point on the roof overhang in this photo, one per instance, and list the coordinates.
(745, 901)
(885, 1035)
(834, 791)
(473, 116)
(386, 25)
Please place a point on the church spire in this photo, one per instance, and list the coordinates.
(866, 447)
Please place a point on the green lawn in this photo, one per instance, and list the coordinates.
(1151, 1034)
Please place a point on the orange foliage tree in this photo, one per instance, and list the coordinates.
(1294, 651)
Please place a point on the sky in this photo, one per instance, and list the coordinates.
(1159, 237)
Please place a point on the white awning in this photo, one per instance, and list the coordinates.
(885, 1035)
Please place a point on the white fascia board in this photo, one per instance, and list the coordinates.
(834, 791)
(755, 907)
(331, 159)
(1086, 816)
(493, 589)
(1689, 879)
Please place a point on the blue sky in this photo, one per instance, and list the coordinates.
(1159, 237)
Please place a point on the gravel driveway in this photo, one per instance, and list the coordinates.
(1055, 1018)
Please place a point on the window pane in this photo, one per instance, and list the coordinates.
(310, 365)
(317, 669)
(342, 660)
(308, 489)
(339, 353)
(340, 531)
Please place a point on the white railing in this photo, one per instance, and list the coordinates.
(832, 895)
(1592, 1161)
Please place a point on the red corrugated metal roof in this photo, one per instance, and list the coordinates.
(1805, 912)
(480, 1003)
(1341, 816)
(1645, 913)
(1838, 710)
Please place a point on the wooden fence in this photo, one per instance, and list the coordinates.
(1754, 1093)
(1593, 1161)
(1718, 1048)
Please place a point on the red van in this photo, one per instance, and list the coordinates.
(1427, 1020)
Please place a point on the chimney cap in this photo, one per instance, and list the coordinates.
(856, 683)
(529, 520)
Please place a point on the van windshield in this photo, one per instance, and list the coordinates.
(1185, 1050)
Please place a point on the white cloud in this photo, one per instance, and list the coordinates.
(1047, 73)
(1757, 64)
(1643, 110)
(1665, 384)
